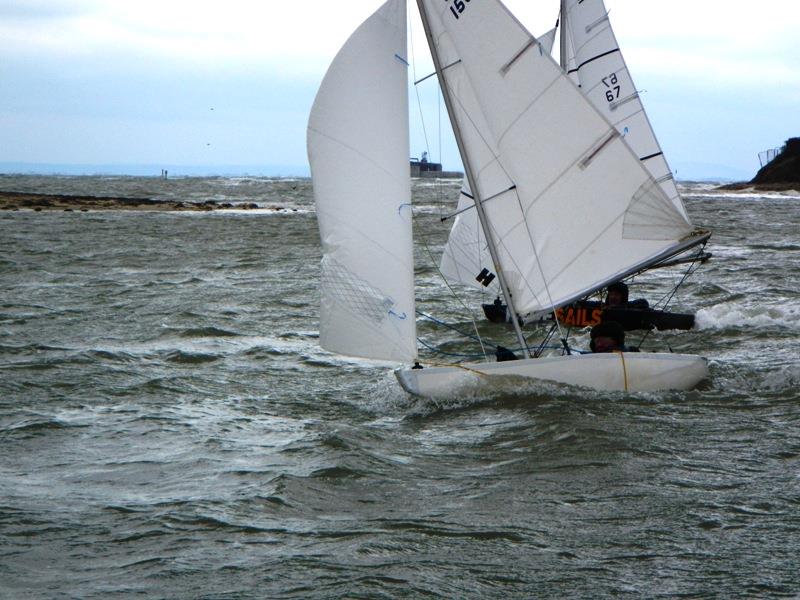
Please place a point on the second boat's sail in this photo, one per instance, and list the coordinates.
(604, 78)
(358, 151)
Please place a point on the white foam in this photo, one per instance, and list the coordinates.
(267, 210)
(742, 195)
(782, 378)
(216, 345)
(736, 314)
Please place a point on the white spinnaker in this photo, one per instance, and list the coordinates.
(569, 206)
(604, 78)
(358, 149)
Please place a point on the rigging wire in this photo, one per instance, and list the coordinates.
(538, 352)
(542, 347)
(439, 184)
(439, 107)
(691, 269)
(664, 301)
(414, 71)
(455, 295)
(476, 337)
(436, 350)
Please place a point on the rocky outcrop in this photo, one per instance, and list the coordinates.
(69, 203)
(781, 174)
(784, 168)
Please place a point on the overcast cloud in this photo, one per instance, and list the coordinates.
(231, 83)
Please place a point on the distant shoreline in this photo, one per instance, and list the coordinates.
(744, 186)
(27, 201)
(69, 203)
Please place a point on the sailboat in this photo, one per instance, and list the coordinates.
(563, 202)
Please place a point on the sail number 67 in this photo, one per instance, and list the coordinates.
(610, 81)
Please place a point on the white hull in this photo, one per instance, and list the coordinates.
(624, 372)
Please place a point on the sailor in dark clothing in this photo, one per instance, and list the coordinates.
(617, 294)
(608, 336)
(617, 297)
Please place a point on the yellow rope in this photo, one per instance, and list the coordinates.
(471, 370)
(624, 369)
(457, 365)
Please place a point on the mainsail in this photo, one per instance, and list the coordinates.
(604, 78)
(569, 205)
(358, 149)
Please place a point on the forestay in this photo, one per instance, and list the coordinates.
(566, 217)
(358, 151)
(604, 78)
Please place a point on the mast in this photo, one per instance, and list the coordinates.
(471, 180)
(563, 36)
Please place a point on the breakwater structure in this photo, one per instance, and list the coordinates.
(422, 167)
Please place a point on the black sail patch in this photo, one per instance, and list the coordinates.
(485, 277)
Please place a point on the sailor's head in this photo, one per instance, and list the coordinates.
(617, 294)
(608, 336)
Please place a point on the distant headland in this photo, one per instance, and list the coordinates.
(780, 174)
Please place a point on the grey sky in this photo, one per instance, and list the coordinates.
(231, 83)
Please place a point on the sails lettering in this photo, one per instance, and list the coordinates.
(577, 316)
(458, 7)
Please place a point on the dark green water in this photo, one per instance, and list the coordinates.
(169, 427)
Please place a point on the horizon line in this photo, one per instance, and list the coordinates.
(19, 168)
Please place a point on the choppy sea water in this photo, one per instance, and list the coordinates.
(169, 427)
